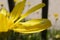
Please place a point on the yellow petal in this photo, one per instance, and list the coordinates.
(4, 12)
(17, 10)
(44, 24)
(31, 10)
(17, 0)
(31, 22)
(3, 23)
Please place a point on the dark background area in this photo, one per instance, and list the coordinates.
(44, 15)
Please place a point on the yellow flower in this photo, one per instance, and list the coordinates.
(28, 3)
(12, 21)
(56, 16)
(57, 36)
